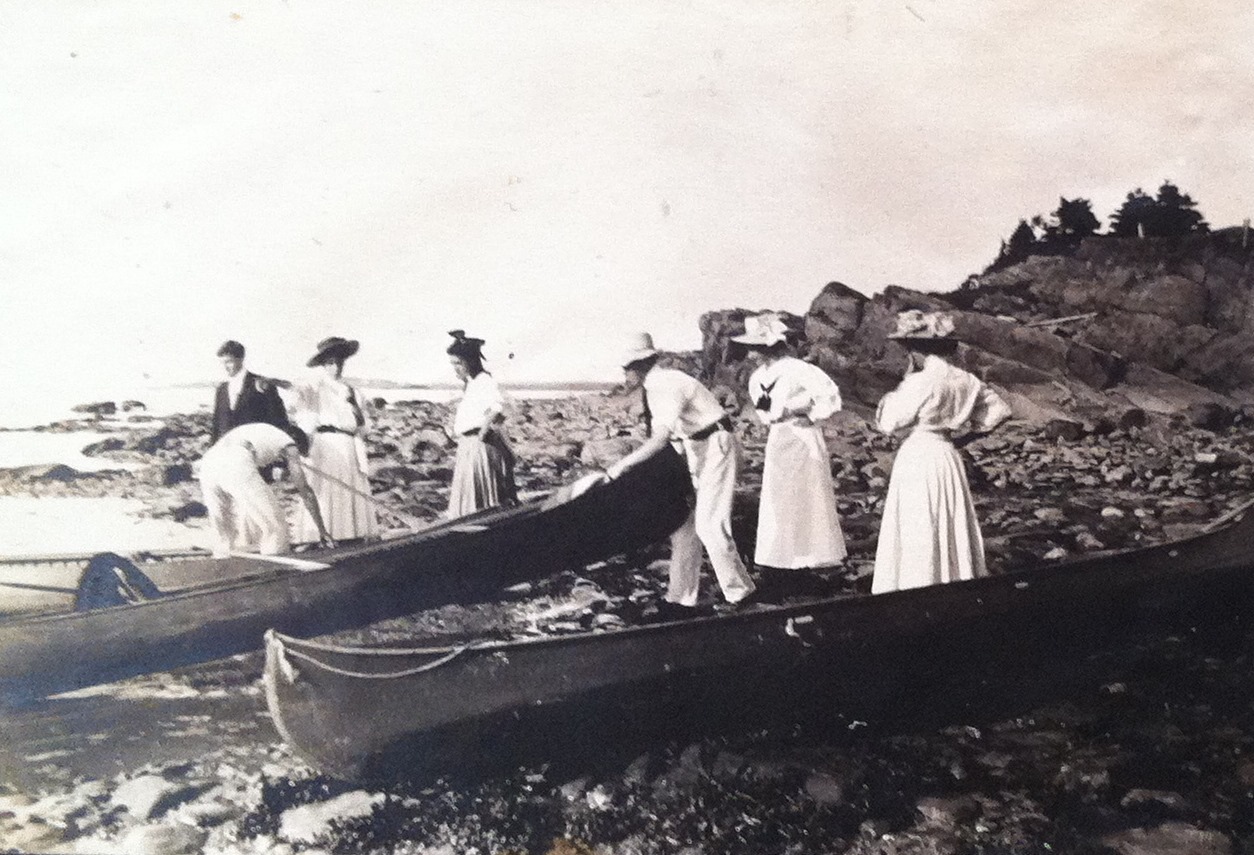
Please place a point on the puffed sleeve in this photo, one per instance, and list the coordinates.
(823, 392)
(990, 410)
(899, 409)
(494, 401)
(305, 406)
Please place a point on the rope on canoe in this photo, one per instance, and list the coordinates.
(292, 674)
(287, 641)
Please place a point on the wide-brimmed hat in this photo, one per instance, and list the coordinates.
(639, 346)
(332, 349)
(923, 326)
(763, 330)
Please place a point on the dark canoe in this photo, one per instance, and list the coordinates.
(208, 609)
(364, 713)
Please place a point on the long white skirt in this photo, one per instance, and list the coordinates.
(798, 525)
(346, 515)
(483, 475)
(929, 533)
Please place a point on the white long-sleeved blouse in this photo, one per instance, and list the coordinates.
(792, 384)
(941, 397)
(481, 403)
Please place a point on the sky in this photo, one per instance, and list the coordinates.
(554, 175)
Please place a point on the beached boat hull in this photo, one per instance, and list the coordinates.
(462, 560)
(383, 713)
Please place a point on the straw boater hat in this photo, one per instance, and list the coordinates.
(639, 346)
(913, 324)
(763, 330)
(331, 349)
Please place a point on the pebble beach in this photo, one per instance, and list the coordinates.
(1152, 753)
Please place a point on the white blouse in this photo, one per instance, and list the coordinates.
(679, 402)
(481, 402)
(792, 384)
(324, 401)
(941, 397)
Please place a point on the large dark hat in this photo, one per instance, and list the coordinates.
(333, 349)
(464, 346)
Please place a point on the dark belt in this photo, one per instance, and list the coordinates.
(471, 432)
(709, 430)
(333, 429)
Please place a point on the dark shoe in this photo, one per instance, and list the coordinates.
(668, 611)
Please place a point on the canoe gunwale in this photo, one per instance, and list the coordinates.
(331, 561)
(1020, 582)
(490, 683)
(47, 653)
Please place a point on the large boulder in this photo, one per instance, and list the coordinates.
(835, 314)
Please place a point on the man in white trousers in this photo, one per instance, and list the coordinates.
(243, 510)
(678, 408)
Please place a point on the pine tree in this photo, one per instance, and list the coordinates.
(1075, 219)
(1175, 213)
(1134, 212)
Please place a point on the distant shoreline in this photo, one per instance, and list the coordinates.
(366, 383)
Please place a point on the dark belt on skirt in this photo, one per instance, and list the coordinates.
(709, 430)
(333, 429)
(471, 432)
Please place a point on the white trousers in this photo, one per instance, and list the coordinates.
(713, 463)
(243, 510)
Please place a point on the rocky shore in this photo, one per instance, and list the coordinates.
(1156, 756)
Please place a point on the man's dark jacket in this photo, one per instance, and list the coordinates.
(258, 401)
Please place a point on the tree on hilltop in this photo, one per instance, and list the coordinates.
(1136, 209)
(1177, 213)
(1171, 214)
(1074, 220)
(1020, 245)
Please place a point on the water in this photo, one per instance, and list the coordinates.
(22, 447)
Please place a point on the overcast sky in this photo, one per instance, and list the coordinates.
(554, 174)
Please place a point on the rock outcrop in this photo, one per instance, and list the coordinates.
(1165, 326)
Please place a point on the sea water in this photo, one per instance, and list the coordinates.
(30, 525)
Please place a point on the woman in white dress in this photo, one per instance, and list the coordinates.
(334, 415)
(798, 525)
(929, 532)
(483, 474)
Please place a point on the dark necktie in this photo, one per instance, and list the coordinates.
(764, 400)
(646, 415)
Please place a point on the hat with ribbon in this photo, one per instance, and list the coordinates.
(763, 330)
(923, 326)
(464, 345)
(333, 349)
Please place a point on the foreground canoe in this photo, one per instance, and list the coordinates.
(358, 712)
(208, 609)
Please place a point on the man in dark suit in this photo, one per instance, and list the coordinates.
(244, 397)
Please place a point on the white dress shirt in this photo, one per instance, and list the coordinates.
(680, 403)
(235, 385)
